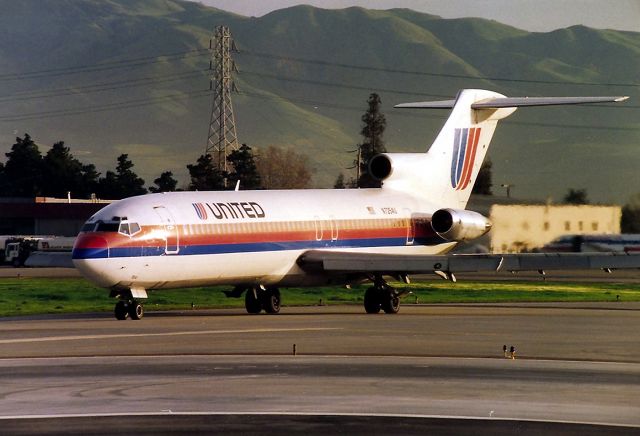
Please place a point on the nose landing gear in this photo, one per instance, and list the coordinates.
(128, 305)
(129, 308)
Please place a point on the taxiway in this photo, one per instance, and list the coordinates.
(577, 367)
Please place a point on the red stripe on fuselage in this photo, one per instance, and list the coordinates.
(238, 233)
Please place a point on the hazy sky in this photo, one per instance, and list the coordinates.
(532, 15)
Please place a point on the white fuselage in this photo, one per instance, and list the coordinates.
(245, 237)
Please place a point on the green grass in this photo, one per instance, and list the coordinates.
(29, 296)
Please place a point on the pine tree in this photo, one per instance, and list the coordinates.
(123, 183)
(164, 183)
(483, 181)
(64, 174)
(23, 169)
(576, 196)
(205, 176)
(244, 168)
(372, 144)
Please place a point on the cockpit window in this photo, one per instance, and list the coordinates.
(88, 227)
(107, 227)
(129, 228)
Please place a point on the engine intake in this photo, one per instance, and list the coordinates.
(459, 225)
(380, 167)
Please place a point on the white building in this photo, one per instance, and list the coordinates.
(519, 227)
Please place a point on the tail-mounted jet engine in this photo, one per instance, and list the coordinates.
(459, 225)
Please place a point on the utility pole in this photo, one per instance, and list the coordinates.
(222, 138)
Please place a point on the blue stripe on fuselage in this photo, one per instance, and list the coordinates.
(252, 247)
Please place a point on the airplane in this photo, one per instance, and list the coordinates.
(261, 241)
(594, 243)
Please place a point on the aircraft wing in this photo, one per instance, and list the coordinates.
(390, 264)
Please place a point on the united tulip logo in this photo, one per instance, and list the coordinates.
(465, 144)
(200, 210)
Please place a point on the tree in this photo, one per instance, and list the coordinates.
(164, 183)
(23, 169)
(576, 196)
(372, 144)
(244, 168)
(123, 183)
(205, 176)
(64, 173)
(483, 181)
(339, 184)
(283, 168)
(630, 220)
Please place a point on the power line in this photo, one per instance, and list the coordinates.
(99, 87)
(105, 66)
(423, 73)
(106, 107)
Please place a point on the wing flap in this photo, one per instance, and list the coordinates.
(352, 262)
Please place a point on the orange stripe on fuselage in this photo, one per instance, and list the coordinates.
(230, 233)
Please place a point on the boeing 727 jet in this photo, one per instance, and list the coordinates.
(260, 241)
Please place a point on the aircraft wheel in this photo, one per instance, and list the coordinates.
(271, 300)
(121, 310)
(136, 310)
(251, 302)
(391, 303)
(372, 300)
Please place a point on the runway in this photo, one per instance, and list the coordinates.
(430, 368)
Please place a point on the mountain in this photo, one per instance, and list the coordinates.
(130, 76)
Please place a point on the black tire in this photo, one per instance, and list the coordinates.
(136, 310)
(372, 300)
(121, 311)
(391, 303)
(251, 302)
(270, 300)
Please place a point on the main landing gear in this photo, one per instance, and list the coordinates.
(131, 308)
(257, 299)
(381, 296)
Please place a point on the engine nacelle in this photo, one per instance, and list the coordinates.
(384, 166)
(459, 225)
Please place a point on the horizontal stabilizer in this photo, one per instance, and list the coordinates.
(497, 103)
(442, 104)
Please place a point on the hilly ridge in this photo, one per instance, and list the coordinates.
(305, 75)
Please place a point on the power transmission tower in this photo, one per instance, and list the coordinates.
(222, 127)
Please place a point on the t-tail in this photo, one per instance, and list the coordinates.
(447, 172)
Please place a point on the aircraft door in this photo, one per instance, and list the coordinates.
(411, 227)
(334, 228)
(169, 223)
(319, 228)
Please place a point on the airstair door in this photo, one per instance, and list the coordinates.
(172, 238)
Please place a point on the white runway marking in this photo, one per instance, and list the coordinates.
(146, 335)
(338, 414)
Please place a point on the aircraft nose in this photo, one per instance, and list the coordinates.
(90, 246)
(90, 256)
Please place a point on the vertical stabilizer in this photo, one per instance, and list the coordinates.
(447, 172)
